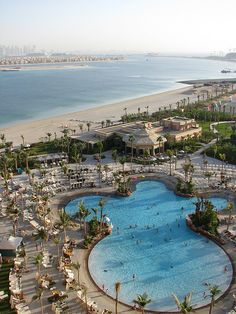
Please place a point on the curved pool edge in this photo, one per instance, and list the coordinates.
(170, 185)
(200, 307)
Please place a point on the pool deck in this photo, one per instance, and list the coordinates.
(223, 305)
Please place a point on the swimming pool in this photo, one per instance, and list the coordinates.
(151, 241)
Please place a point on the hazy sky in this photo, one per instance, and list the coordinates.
(166, 26)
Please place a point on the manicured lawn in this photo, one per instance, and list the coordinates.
(4, 286)
(43, 148)
(205, 125)
(224, 129)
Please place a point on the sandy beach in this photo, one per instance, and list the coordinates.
(33, 131)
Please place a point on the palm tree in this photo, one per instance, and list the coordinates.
(23, 140)
(39, 297)
(106, 169)
(41, 235)
(215, 149)
(102, 124)
(25, 156)
(131, 140)
(57, 241)
(38, 260)
(122, 161)
(208, 176)
(88, 125)
(188, 170)
(117, 290)
(114, 154)
(81, 126)
(15, 158)
(77, 266)
(81, 147)
(77, 159)
(84, 294)
(4, 168)
(95, 211)
(160, 140)
(83, 213)
(100, 148)
(184, 306)
(125, 110)
(222, 158)
(49, 136)
(108, 122)
(3, 138)
(142, 300)
(170, 154)
(214, 291)
(101, 204)
(64, 222)
(13, 212)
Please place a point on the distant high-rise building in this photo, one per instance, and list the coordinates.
(16, 51)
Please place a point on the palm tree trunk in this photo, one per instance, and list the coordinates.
(14, 228)
(229, 219)
(211, 306)
(86, 302)
(41, 304)
(132, 154)
(58, 252)
(101, 217)
(116, 304)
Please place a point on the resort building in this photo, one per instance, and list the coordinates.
(145, 136)
(228, 105)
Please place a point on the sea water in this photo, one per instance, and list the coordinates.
(34, 94)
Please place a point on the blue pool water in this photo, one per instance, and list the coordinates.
(166, 258)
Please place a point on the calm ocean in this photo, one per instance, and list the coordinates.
(29, 95)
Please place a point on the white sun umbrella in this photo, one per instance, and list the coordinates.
(107, 219)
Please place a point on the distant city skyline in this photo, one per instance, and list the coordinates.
(118, 26)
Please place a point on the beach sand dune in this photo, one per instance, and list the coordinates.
(35, 130)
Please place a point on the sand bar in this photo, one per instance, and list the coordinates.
(37, 129)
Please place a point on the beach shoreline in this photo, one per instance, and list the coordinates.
(35, 130)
